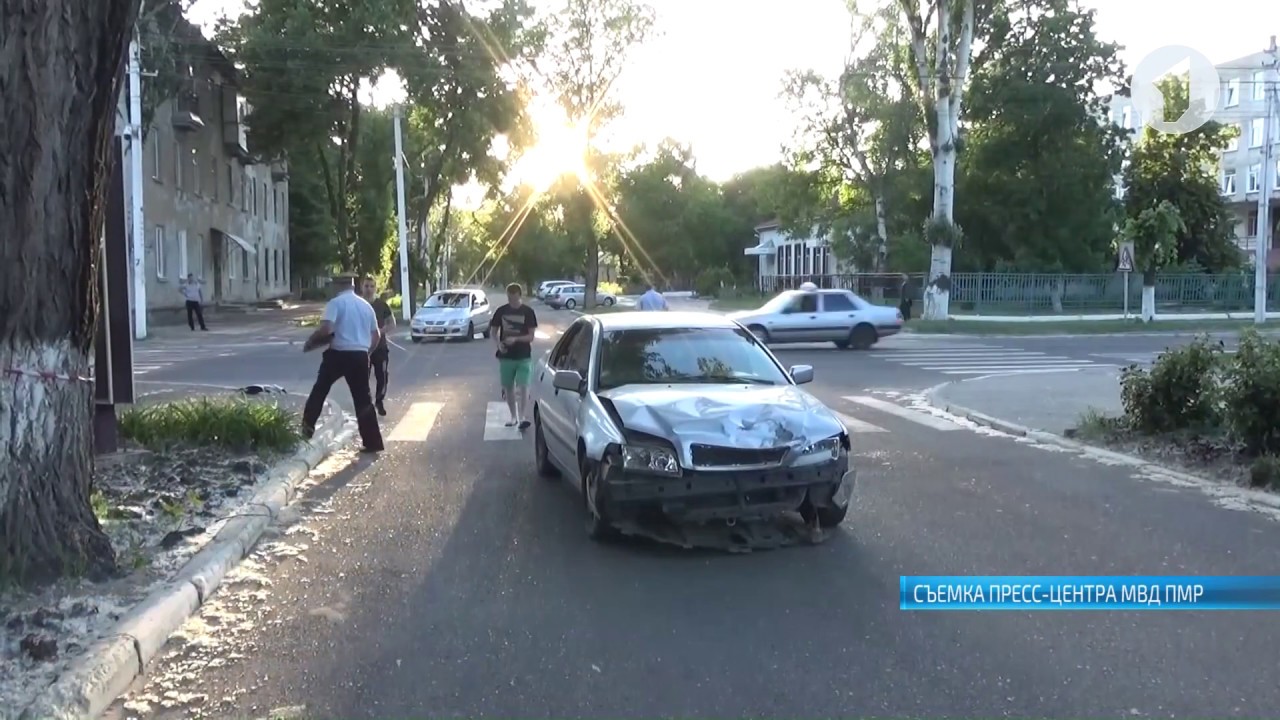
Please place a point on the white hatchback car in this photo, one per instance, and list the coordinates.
(452, 314)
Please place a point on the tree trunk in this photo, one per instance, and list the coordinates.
(60, 63)
(1149, 295)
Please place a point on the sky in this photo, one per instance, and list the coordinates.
(712, 74)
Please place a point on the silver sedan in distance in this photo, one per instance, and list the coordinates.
(572, 296)
(685, 418)
(838, 316)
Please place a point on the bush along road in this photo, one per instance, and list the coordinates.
(1202, 409)
(201, 477)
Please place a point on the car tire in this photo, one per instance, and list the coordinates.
(608, 302)
(487, 333)
(598, 526)
(761, 334)
(827, 517)
(546, 468)
(471, 332)
(863, 337)
(570, 304)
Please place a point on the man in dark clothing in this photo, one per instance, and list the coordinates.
(350, 330)
(515, 323)
(380, 358)
(904, 294)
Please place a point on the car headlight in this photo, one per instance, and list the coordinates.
(829, 447)
(457, 321)
(646, 458)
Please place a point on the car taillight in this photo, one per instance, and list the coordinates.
(900, 316)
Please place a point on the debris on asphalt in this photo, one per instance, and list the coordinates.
(742, 537)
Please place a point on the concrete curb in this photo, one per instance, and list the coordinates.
(1253, 499)
(108, 668)
(1061, 336)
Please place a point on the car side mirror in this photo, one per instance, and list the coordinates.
(567, 380)
(801, 374)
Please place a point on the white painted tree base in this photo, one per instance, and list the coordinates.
(937, 302)
(1148, 303)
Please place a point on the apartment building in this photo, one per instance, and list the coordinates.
(1243, 107)
(210, 207)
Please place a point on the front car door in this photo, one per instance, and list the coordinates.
(839, 313)
(798, 322)
(481, 311)
(558, 429)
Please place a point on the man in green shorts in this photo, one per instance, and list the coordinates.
(514, 324)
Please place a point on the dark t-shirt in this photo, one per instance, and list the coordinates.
(513, 322)
(382, 311)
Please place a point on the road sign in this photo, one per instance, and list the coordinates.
(1125, 263)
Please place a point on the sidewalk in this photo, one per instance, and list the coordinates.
(1052, 402)
(275, 321)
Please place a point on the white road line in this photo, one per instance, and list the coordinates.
(987, 359)
(854, 425)
(997, 362)
(999, 370)
(495, 418)
(920, 418)
(416, 424)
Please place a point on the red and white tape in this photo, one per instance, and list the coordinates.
(45, 375)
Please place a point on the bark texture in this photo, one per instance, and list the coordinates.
(60, 63)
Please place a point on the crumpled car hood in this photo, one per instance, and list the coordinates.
(441, 313)
(742, 416)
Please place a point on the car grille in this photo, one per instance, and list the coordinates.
(717, 456)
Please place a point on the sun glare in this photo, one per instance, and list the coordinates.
(560, 150)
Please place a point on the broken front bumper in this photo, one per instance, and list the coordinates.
(702, 495)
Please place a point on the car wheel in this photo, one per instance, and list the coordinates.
(761, 334)
(608, 302)
(863, 337)
(487, 333)
(842, 344)
(599, 528)
(415, 340)
(570, 303)
(471, 332)
(827, 517)
(546, 468)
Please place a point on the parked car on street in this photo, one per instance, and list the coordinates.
(459, 313)
(572, 296)
(546, 285)
(687, 417)
(815, 315)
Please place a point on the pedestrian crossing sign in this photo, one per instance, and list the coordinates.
(1125, 263)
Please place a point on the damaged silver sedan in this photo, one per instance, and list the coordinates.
(685, 419)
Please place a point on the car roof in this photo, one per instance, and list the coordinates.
(640, 320)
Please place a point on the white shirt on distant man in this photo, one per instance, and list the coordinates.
(652, 300)
(354, 322)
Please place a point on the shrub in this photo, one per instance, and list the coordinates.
(712, 281)
(612, 288)
(1265, 472)
(232, 423)
(1182, 391)
(1251, 395)
(395, 302)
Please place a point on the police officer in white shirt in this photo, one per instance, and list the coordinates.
(350, 329)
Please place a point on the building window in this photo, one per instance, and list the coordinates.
(253, 197)
(1234, 143)
(275, 262)
(232, 248)
(195, 257)
(244, 190)
(1251, 224)
(265, 213)
(196, 185)
(1231, 93)
(1254, 179)
(1229, 183)
(158, 252)
(231, 184)
(1255, 133)
(213, 180)
(178, 160)
(244, 264)
(1260, 85)
(155, 156)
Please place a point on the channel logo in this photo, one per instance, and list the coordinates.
(1205, 89)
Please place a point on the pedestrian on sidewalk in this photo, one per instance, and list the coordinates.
(652, 299)
(349, 327)
(515, 323)
(904, 301)
(380, 358)
(194, 295)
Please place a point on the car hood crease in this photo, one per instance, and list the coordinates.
(752, 417)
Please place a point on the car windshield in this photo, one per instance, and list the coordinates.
(448, 300)
(684, 355)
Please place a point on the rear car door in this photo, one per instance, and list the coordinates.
(839, 313)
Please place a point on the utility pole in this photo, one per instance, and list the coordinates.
(137, 228)
(406, 292)
(1264, 192)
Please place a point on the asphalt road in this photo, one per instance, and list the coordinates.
(445, 579)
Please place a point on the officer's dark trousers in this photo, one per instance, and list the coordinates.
(381, 361)
(352, 366)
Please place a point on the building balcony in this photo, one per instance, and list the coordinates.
(186, 112)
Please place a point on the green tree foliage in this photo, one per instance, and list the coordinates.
(1182, 170)
(1038, 167)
